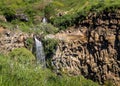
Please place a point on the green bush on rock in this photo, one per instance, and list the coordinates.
(21, 55)
(50, 46)
(29, 43)
(8, 12)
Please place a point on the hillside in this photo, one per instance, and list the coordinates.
(81, 40)
(28, 14)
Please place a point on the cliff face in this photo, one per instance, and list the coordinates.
(92, 49)
(10, 40)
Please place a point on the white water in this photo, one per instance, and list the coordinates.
(40, 55)
(44, 20)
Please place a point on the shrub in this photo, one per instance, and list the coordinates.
(50, 46)
(29, 43)
(24, 27)
(68, 20)
(21, 55)
(9, 13)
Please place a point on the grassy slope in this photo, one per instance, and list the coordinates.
(79, 9)
(36, 9)
(80, 5)
(18, 70)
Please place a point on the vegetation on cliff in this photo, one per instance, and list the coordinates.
(77, 10)
(28, 13)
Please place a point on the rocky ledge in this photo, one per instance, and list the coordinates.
(10, 40)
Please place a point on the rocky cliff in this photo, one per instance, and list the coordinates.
(11, 39)
(91, 48)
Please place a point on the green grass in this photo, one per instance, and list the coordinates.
(16, 69)
(74, 11)
(77, 5)
(31, 8)
(77, 10)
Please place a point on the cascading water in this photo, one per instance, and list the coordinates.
(40, 55)
(44, 20)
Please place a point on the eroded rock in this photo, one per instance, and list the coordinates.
(96, 53)
(10, 40)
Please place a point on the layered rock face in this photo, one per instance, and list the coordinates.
(10, 40)
(93, 49)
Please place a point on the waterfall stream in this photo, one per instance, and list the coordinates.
(40, 55)
(44, 20)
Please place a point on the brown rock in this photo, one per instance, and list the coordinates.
(96, 58)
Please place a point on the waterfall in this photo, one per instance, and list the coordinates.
(40, 55)
(44, 20)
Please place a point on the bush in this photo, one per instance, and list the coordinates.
(50, 46)
(9, 13)
(21, 55)
(24, 27)
(68, 20)
(29, 43)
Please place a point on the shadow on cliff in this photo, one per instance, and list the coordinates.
(117, 43)
(94, 48)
